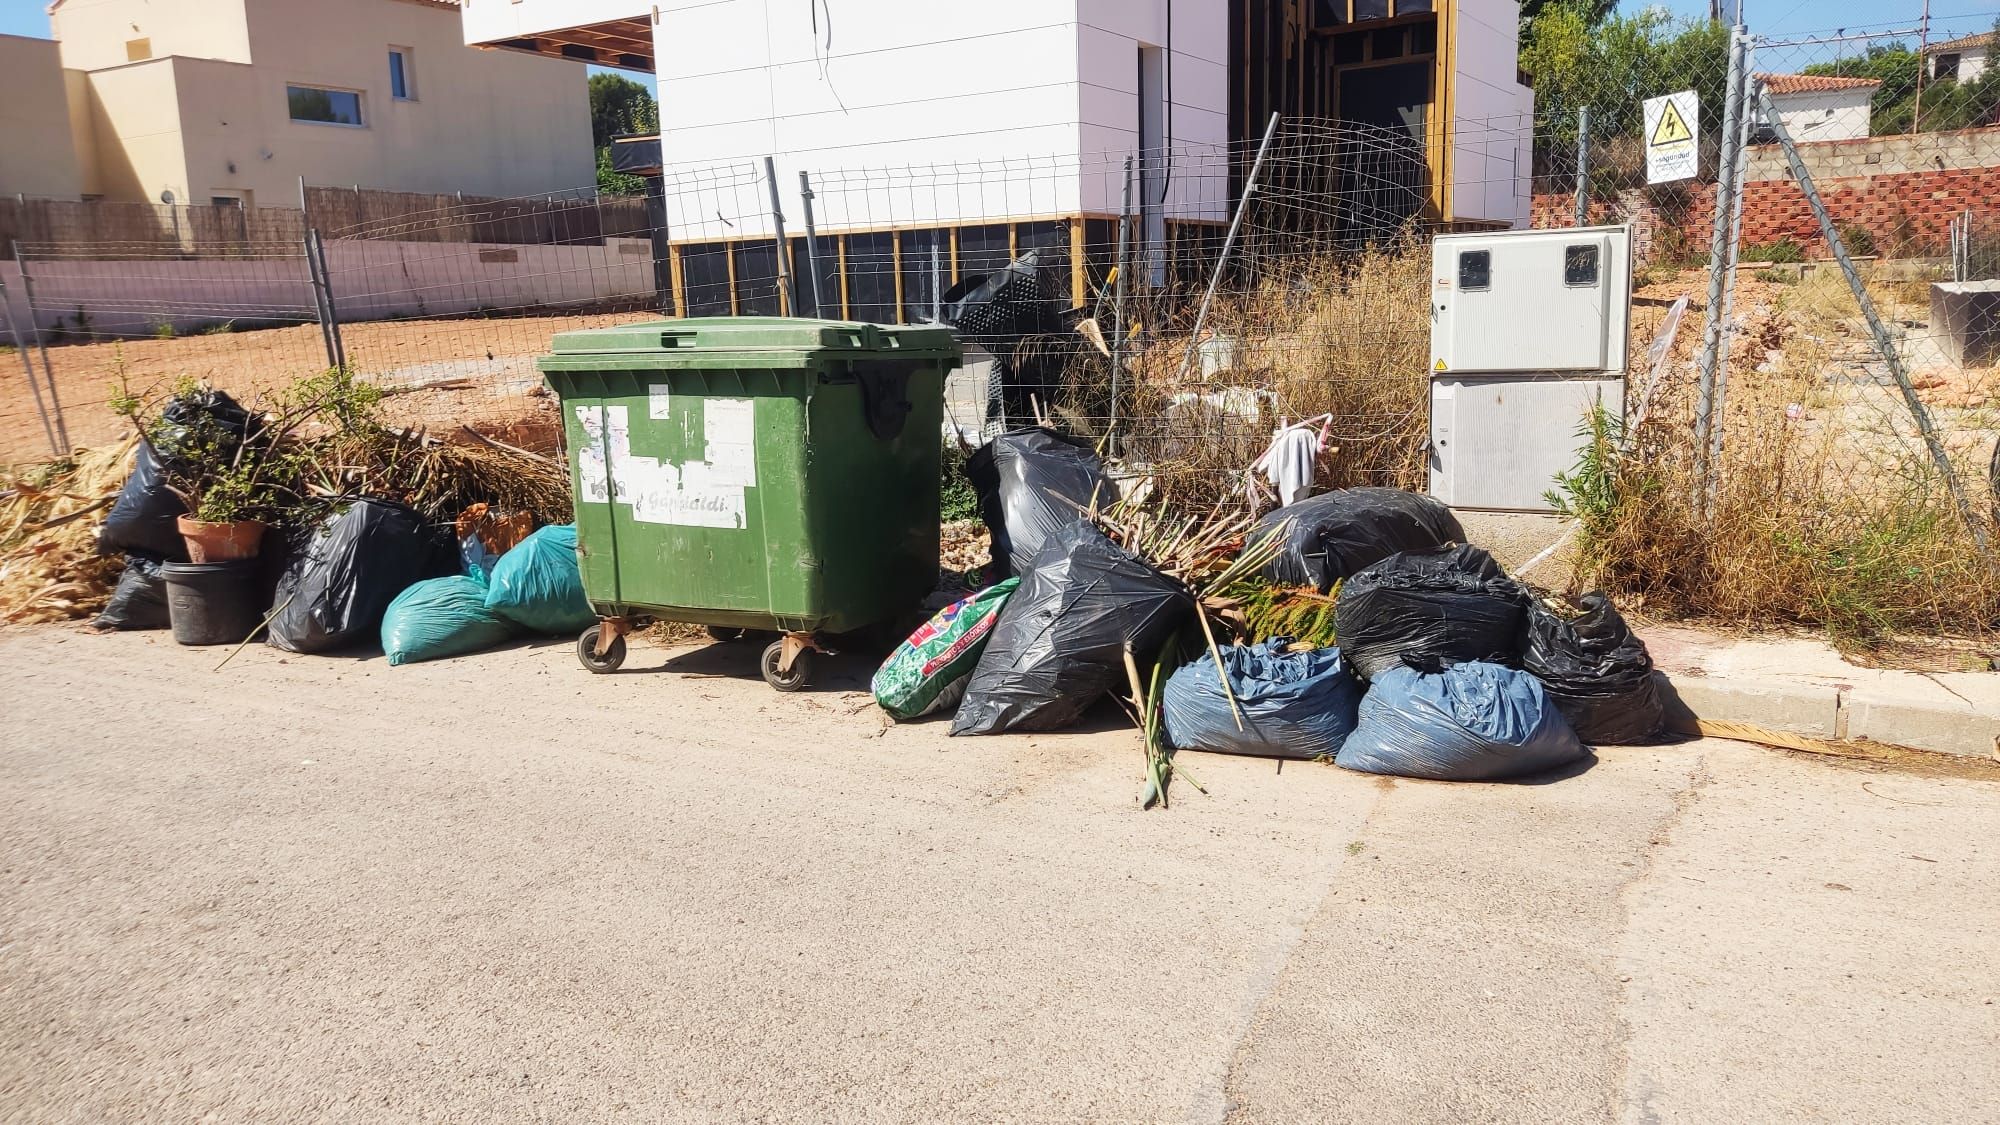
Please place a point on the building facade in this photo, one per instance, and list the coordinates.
(1821, 107)
(234, 101)
(989, 127)
(1959, 60)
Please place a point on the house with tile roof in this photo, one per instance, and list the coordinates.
(1817, 107)
(1959, 60)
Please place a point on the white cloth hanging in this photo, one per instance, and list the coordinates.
(1291, 462)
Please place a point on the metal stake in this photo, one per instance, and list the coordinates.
(332, 311)
(1718, 247)
(1228, 243)
(318, 286)
(1118, 304)
(1884, 343)
(42, 348)
(28, 365)
(1726, 338)
(788, 289)
(1583, 167)
(812, 242)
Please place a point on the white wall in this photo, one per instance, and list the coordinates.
(1827, 115)
(1109, 35)
(372, 280)
(1492, 115)
(488, 21)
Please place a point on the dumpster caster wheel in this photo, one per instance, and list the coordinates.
(793, 680)
(723, 634)
(606, 661)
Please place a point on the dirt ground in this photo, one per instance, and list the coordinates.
(497, 355)
(501, 888)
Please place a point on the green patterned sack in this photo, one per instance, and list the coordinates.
(927, 673)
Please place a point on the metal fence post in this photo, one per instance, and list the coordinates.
(1718, 247)
(1583, 167)
(1118, 272)
(1726, 337)
(318, 287)
(1228, 242)
(28, 366)
(788, 289)
(42, 349)
(317, 244)
(1884, 343)
(812, 240)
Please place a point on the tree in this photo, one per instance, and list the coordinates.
(1593, 12)
(610, 182)
(619, 105)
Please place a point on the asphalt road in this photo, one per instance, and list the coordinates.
(501, 889)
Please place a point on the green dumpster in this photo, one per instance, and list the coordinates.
(752, 474)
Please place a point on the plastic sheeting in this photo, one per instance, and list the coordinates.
(140, 600)
(1338, 534)
(1597, 671)
(1471, 722)
(1430, 610)
(441, 617)
(1020, 476)
(1294, 704)
(538, 585)
(337, 585)
(1060, 642)
(144, 517)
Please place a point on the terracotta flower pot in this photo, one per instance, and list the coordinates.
(221, 542)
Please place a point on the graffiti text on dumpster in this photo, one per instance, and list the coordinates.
(705, 493)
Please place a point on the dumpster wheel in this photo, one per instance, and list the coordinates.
(785, 676)
(598, 654)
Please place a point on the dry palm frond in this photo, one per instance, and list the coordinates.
(49, 566)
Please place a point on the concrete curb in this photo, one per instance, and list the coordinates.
(1832, 711)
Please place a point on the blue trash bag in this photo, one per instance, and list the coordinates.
(537, 584)
(1294, 704)
(1471, 722)
(441, 617)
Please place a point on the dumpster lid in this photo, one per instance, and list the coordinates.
(762, 333)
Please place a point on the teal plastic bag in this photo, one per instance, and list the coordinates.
(441, 617)
(537, 585)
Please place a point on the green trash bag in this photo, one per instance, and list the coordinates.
(927, 673)
(441, 617)
(537, 584)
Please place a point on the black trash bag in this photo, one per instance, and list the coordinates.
(1015, 474)
(1293, 704)
(1338, 534)
(1597, 671)
(140, 600)
(143, 518)
(1430, 610)
(338, 583)
(1470, 722)
(1060, 642)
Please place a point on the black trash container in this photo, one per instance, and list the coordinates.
(212, 603)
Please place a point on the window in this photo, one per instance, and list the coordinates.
(1945, 67)
(402, 75)
(1580, 265)
(225, 201)
(1475, 269)
(138, 50)
(324, 107)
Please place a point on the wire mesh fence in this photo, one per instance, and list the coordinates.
(1179, 302)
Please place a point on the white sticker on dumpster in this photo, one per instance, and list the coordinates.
(592, 473)
(729, 430)
(659, 401)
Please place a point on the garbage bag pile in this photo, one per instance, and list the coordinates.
(338, 583)
(1470, 722)
(442, 617)
(1597, 671)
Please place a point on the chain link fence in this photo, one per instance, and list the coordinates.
(1799, 457)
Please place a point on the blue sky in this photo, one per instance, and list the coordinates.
(1766, 17)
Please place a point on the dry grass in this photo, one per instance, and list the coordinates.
(49, 566)
(1347, 336)
(1828, 512)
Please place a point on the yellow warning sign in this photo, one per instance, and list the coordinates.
(1671, 130)
(1440, 364)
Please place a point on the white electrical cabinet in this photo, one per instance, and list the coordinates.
(1529, 333)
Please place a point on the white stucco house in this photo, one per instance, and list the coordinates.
(1961, 60)
(963, 131)
(1817, 107)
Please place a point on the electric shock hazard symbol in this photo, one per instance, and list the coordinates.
(1672, 149)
